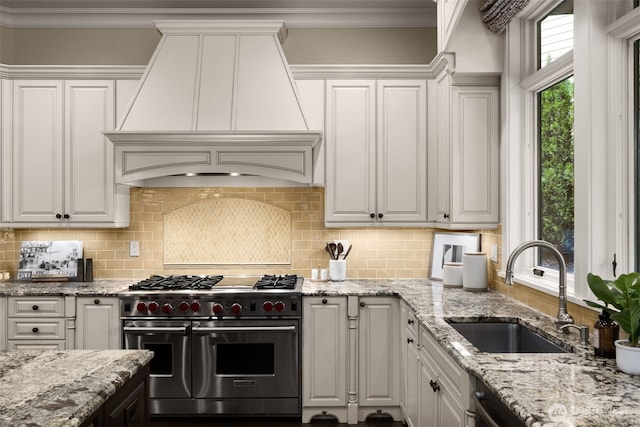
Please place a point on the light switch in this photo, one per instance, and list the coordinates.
(134, 248)
(494, 253)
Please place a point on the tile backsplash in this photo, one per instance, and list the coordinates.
(377, 252)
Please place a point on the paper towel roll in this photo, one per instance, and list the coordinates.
(452, 275)
(474, 271)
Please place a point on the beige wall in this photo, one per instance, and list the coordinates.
(55, 46)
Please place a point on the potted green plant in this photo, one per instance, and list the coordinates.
(621, 298)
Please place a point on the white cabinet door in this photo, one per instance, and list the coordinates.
(37, 151)
(350, 139)
(412, 385)
(97, 323)
(429, 405)
(379, 354)
(62, 165)
(376, 144)
(474, 155)
(324, 352)
(464, 154)
(89, 188)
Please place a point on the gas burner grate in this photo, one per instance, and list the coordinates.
(182, 282)
(277, 282)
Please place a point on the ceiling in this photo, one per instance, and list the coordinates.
(141, 13)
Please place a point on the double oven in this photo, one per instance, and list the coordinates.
(233, 349)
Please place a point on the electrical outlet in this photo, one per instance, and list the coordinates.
(134, 248)
(494, 253)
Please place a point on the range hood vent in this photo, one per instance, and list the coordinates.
(216, 97)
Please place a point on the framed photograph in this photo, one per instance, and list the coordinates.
(449, 247)
(42, 259)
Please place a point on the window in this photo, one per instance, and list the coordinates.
(555, 172)
(599, 81)
(555, 33)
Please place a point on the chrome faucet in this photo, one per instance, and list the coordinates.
(564, 318)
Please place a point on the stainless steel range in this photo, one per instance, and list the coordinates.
(223, 345)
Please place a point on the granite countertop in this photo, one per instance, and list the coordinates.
(102, 287)
(561, 389)
(56, 388)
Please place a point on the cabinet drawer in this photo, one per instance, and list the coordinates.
(51, 329)
(36, 307)
(36, 345)
(448, 370)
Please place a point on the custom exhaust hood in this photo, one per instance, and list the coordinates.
(216, 98)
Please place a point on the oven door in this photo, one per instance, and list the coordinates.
(246, 359)
(170, 341)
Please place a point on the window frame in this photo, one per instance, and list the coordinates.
(603, 131)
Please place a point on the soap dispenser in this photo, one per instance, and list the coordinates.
(605, 333)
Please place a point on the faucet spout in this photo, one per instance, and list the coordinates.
(563, 318)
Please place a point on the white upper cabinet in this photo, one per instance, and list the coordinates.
(376, 152)
(62, 165)
(464, 154)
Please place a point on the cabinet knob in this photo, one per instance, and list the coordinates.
(35, 330)
(434, 385)
(410, 321)
(96, 301)
(380, 215)
(324, 300)
(362, 304)
(58, 216)
(372, 215)
(66, 216)
(35, 308)
(409, 340)
(446, 216)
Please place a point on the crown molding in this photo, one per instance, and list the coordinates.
(106, 72)
(144, 17)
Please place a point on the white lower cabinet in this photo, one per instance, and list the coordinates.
(350, 358)
(40, 323)
(379, 357)
(324, 357)
(436, 389)
(444, 387)
(97, 323)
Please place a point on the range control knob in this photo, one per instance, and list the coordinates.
(142, 307)
(217, 309)
(153, 307)
(267, 305)
(167, 308)
(279, 306)
(195, 306)
(236, 308)
(183, 306)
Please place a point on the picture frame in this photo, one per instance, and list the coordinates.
(449, 247)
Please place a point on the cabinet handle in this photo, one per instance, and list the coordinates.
(66, 216)
(372, 215)
(380, 215)
(96, 301)
(35, 307)
(434, 385)
(409, 340)
(35, 330)
(446, 216)
(324, 300)
(58, 216)
(362, 304)
(410, 321)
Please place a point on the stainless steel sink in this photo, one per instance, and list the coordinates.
(505, 337)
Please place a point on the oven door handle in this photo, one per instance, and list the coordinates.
(156, 329)
(198, 329)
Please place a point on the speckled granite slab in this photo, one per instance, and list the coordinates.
(101, 287)
(563, 389)
(52, 388)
